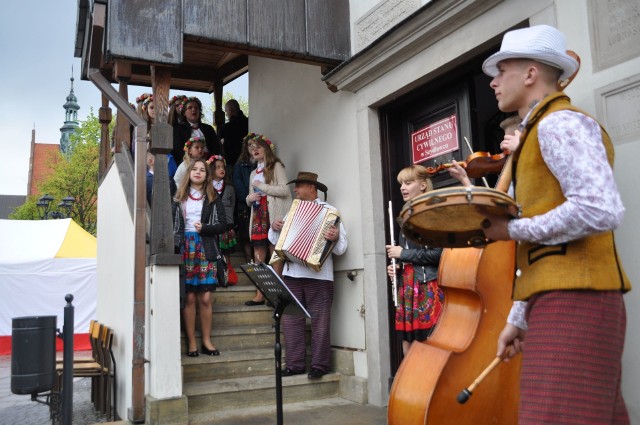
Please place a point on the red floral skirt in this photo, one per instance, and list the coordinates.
(419, 306)
(260, 224)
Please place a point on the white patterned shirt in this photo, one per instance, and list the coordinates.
(572, 148)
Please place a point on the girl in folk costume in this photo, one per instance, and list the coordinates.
(270, 199)
(227, 193)
(195, 210)
(194, 149)
(148, 112)
(140, 101)
(420, 299)
(175, 109)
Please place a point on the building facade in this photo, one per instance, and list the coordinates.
(411, 63)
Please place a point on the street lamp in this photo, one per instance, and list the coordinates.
(44, 203)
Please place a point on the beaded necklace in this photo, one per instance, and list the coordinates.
(193, 197)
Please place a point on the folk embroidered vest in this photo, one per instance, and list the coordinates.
(588, 263)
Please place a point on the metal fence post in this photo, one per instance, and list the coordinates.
(67, 372)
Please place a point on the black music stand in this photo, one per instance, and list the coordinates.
(276, 292)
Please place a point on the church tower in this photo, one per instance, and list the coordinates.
(70, 119)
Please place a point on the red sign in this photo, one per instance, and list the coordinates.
(435, 139)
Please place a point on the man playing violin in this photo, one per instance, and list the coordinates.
(573, 322)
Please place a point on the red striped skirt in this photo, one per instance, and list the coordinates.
(571, 365)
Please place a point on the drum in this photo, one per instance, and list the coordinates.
(449, 218)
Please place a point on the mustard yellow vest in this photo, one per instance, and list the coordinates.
(588, 263)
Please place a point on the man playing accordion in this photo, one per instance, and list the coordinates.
(314, 289)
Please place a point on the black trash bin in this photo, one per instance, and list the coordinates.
(33, 354)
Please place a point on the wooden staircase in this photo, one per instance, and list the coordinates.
(243, 376)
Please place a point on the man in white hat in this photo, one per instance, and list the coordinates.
(573, 323)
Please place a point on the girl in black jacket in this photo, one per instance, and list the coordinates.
(199, 218)
(420, 298)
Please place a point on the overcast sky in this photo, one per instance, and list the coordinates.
(37, 48)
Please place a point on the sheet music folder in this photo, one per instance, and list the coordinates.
(274, 289)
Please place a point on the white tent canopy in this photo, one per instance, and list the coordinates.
(40, 262)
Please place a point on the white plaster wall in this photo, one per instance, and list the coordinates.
(163, 332)
(314, 130)
(115, 278)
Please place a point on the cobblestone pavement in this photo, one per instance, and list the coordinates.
(20, 410)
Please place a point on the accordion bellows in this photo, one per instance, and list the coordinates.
(302, 236)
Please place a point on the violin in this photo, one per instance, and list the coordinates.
(477, 165)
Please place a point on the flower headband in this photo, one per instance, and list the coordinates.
(142, 97)
(146, 102)
(176, 102)
(215, 158)
(186, 100)
(254, 136)
(191, 141)
(177, 98)
(250, 136)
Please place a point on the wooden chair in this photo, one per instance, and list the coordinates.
(101, 368)
(94, 348)
(89, 368)
(107, 361)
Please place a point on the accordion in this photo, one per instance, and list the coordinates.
(302, 236)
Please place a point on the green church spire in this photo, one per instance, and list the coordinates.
(70, 119)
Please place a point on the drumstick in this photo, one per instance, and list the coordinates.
(486, 183)
(466, 393)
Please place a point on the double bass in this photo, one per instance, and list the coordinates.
(477, 283)
(477, 287)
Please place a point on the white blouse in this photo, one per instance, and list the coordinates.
(193, 210)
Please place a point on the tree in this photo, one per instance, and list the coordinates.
(75, 176)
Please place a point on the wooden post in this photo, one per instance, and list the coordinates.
(122, 71)
(218, 115)
(104, 115)
(161, 145)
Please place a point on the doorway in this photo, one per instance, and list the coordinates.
(460, 107)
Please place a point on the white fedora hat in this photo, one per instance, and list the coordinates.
(541, 43)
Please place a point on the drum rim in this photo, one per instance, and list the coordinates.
(458, 190)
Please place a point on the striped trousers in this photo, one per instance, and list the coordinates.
(316, 296)
(571, 364)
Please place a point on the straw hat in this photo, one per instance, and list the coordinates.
(541, 43)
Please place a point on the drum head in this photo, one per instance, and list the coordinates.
(449, 217)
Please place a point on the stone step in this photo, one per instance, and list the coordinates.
(239, 315)
(244, 337)
(224, 394)
(291, 411)
(234, 295)
(238, 337)
(237, 259)
(229, 364)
